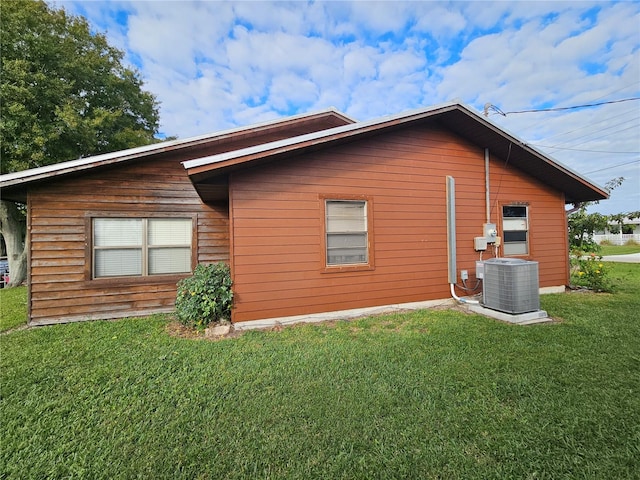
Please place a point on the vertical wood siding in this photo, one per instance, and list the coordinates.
(60, 284)
(278, 265)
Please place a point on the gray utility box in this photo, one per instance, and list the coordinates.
(511, 285)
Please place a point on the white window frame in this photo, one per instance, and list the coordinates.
(518, 226)
(145, 246)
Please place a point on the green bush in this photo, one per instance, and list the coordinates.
(206, 297)
(589, 271)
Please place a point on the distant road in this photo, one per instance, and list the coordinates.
(629, 258)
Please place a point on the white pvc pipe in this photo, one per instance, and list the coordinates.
(460, 299)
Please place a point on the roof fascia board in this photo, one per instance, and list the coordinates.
(228, 159)
(294, 143)
(62, 168)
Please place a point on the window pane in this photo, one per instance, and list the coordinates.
(346, 216)
(343, 256)
(517, 236)
(339, 240)
(514, 224)
(169, 231)
(516, 248)
(118, 262)
(514, 211)
(169, 260)
(117, 232)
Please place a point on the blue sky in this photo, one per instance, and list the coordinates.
(215, 65)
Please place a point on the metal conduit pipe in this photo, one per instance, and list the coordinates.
(451, 239)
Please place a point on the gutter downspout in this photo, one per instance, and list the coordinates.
(451, 240)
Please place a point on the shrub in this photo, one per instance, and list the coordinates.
(205, 297)
(589, 271)
(631, 242)
(606, 242)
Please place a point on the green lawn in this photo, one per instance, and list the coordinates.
(618, 249)
(13, 307)
(431, 394)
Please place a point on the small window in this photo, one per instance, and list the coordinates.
(515, 229)
(347, 241)
(141, 246)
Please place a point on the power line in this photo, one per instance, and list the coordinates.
(591, 137)
(608, 94)
(613, 166)
(577, 149)
(634, 113)
(490, 106)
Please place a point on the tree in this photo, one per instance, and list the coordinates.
(582, 225)
(64, 94)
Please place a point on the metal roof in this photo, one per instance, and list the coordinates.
(73, 166)
(455, 117)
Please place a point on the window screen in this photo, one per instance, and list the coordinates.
(141, 246)
(346, 229)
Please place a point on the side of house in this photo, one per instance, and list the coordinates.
(314, 213)
(159, 229)
(110, 236)
(287, 259)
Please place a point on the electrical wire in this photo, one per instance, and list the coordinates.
(608, 94)
(492, 107)
(537, 145)
(633, 112)
(591, 137)
(613, 166)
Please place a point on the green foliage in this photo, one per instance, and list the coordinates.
(206, 296)
(589, 271)
(582, 226)
(13, 307)
(430, 394)
(64, 91)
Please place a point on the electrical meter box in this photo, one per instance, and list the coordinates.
(489, 230)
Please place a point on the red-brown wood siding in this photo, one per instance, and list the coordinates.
(60, 252)
(277, 262)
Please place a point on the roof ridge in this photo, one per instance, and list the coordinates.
(141, 151)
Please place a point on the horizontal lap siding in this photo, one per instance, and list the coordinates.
(277, 223)
(60, 250)
(547, 220)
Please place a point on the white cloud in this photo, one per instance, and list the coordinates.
(214, 65)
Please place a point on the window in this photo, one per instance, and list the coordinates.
(515, 228)
(346, 225)
(141, 246)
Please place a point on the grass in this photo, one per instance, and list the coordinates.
(431, 394)
(618, 249)
(13, 307)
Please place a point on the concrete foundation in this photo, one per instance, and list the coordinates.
(539, 316)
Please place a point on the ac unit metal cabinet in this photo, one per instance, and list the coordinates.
(511, 285)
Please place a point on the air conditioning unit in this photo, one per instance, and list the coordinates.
(511, 285)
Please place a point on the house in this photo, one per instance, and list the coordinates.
(314, 213)
(620, 233)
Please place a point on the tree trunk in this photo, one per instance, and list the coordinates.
(13, 228)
